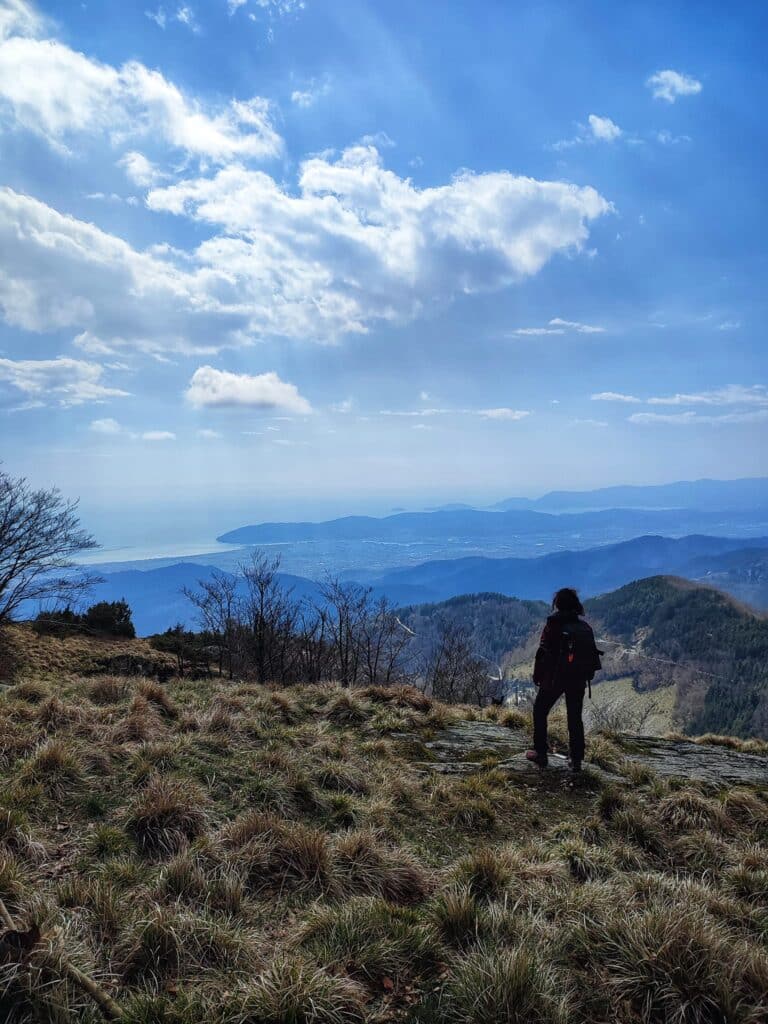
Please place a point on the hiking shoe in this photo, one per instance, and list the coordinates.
(575, 767)
(539, 759)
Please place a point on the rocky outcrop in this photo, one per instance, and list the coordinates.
(462, 747)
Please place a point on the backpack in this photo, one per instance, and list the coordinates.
(578, 658)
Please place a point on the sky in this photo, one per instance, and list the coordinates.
(290, 258)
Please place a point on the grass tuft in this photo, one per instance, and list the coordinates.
(166, 815)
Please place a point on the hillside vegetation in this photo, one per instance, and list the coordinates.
(714, 650)
(215, 851)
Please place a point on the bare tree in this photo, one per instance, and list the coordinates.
(383, 643)
(268, 616)
(39, 534)
(349, 606)
(216, 603)
(452, 673)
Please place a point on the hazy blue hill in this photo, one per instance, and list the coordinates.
(743, 573)
(747, 493)
(488, 526)
(593, 571)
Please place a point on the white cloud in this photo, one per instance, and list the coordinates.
(158, 435)
(733, 394)
(614, 396)
(350, 245)
(105, 426)
(559, 326)
(574, 325)
(66, 381)
(503, 414)
(235, 5)
(209, 387)
(666, 138)
(343, 407)
(208, 435)
(282, 7)
(18, 18)
(360, 243)
(425, 396)
(668, 85)
(140, 170)
(589, 423)
(729, 325)
(186, 16)
(691, 418)
(158, 16)
(311, 93)
(597, 129)
(603, 128)
(51, 90)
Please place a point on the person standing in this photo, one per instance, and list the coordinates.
(565, 665)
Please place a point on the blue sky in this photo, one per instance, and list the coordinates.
(310, 257)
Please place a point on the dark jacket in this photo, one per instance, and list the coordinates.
(551, 666)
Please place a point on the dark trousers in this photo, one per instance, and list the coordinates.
(546, 699)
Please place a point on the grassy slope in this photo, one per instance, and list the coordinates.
(221, 852)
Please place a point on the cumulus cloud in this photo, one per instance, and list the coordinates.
(220, 388)
(559, 326)
(358, 243)
(63, 381)
(105, 426)
(614, 396)
(54, 91)
(349, 245)
(668, 85)
(208, 435)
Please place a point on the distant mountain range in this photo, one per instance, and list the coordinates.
(747, 493)
(157, 602)
(593, 571)
(486, 527)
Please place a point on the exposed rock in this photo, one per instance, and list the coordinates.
(682, 758)
(458, 750)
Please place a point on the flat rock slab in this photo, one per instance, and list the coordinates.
(471, 741)
(461, 747)
(716, 765)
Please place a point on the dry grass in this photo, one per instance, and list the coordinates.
(232, 854)
(166, 815)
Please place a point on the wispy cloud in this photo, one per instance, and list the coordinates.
(158, 435)
(668, 85)
(559, 326)
(62, 381)
(732, 394)
(691, 418)
(614, 396)
(105, 426)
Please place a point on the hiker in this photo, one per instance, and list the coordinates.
(565, 664)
